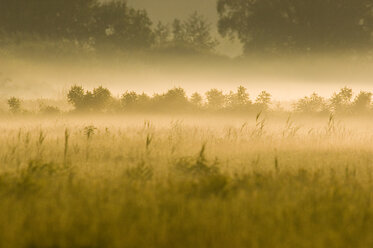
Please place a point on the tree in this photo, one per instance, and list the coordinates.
(215, 99)
(239, 99)
(101, 97)
(198, 33)
(196, 99)
(14, 105)
(105, 23)
(278, 26)
(121, 26)
(176, 95)
(363, 101)
(53, 18)
(76, 96)
(311, 104)
(97, 100)
(162, 35)
(178, 32)
(341, 102)
(174, 99)
(193, 34)
(129, 99)
(263, 100)
(144, 100)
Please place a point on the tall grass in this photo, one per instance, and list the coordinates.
(118, 183)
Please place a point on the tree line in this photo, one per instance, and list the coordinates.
(288, 26)
(101, 100)
(100, 25)
(174, 100)
(263, 26)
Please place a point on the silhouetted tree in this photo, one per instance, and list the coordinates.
(52, 18)
(178, 31)
(103, 23)
(162, 35)
(198, 33)
(239, 99)
(362, 101)
(263, 100)
(101, 97)
(129, 99)
(174, 100)
(196, 99)
(193, 34)
(176, 95)
(76, 96)
(144, 100)
(341, 102)
(119, 25)
(278, 26)
(97, 100)
(215, 99)
(311, 104)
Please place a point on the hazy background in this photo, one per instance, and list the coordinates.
(32, 68)
(285, 81)
(160, 10)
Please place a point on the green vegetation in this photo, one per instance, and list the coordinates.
(116, 182)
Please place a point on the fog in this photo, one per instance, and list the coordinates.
(123, 49)
(207, 123)
(284, 79)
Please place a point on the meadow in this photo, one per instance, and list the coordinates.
(157, 181)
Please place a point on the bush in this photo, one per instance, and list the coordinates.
(14, 105)
(311, 104)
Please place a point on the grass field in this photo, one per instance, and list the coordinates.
(95, 182)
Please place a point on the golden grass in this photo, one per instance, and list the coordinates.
(126, 182)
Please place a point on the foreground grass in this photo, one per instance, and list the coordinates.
(135, 184)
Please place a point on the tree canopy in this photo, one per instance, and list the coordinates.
(278, 26)
(110, 22)
(192, 34)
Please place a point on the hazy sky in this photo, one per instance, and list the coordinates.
(167, 10)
